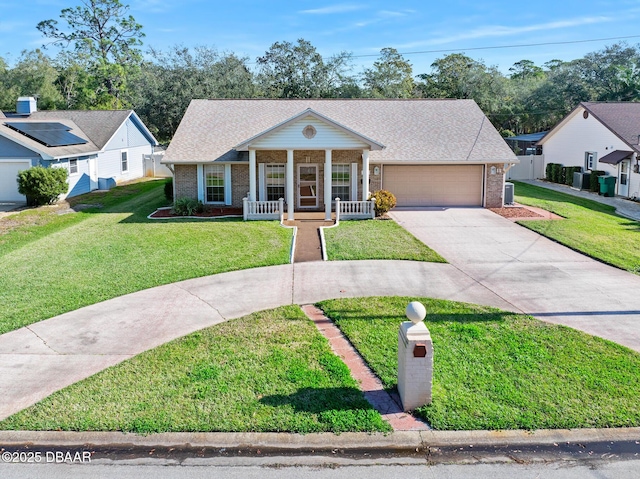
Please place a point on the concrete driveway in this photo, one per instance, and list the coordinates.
(532, 273)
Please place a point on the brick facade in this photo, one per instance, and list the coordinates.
(239, 184)
(494, 186)
(186, 181)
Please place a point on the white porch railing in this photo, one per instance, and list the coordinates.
(263, 210)
(355, 210)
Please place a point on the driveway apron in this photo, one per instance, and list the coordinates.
(532, 273)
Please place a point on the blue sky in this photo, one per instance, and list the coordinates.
(363, 28)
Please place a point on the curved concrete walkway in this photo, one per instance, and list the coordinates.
(492, 262)
(44, 357)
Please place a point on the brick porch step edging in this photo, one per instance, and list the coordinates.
(388, 406)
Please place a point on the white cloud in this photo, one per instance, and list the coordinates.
(502, 31)
(328, 10)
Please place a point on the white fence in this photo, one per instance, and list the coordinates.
(352, 210)
(531, 167)
(263, 210)
(154, 169)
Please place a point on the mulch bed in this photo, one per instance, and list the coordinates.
(515, 212)
(208, 213)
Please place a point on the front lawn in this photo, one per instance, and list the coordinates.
(498, 370)
(376, 239)
(51, 264)
(270, 371)
(590, 227)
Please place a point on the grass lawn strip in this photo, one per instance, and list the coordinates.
(83, 258)
(377, 239)
(270, 371)
(498, 370)
(590, 227)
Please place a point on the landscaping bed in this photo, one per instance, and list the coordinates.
(270, 371)
(499, 370)
(376, 239)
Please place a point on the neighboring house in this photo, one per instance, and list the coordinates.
(98, 148)
(599, 136)
(426, 152)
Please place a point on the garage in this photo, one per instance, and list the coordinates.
(434, 185)
(8, 173)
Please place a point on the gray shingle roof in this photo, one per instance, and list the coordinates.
(437, 131)
(56, 151)
(623, 118)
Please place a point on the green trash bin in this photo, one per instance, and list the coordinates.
(607, 185)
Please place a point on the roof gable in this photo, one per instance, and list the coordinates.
(309, 130)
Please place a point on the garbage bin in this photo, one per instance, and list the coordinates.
(607, 185)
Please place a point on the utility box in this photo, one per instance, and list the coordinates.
(509, 193)
(415, 359)
(581, 180)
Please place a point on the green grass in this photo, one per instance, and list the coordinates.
(497, 370)
(589, 227)
(51, 264)
(376, 239)
(270, 371)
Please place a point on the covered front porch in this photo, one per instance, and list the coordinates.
(307, 181)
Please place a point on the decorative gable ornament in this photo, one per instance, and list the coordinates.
(309, 132)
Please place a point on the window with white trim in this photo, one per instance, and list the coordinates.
(275, 181)
(73, 166)
(214, 183)
(124, 161)
(340, 182)
(590, 160)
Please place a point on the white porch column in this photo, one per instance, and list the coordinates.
(252, 175)
(365, 175)
(289, 179)
(327, 185)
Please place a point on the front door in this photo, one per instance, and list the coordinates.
(623, 178)
(307, 186)
(93, 174)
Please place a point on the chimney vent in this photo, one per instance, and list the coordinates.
(26, 105)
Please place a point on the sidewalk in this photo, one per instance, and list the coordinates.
(627, 208)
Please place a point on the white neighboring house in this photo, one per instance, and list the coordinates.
(99, 148)
(599, 136)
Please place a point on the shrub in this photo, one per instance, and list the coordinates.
(595, 184)
(42, 186)
(569, 174)
(168, 189)
(563, 175)
(556, 172)
(187, 206)
(385, 200)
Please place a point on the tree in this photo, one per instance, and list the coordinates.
(106, 38)
(35, 75)
(390, 77)
(289, 70)
(8, 91)
(525, 69)
(166, 85)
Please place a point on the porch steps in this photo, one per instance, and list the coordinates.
(308, 239)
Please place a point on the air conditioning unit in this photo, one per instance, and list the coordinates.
(509, 198)
(581, 180)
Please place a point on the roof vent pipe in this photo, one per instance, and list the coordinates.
(26, 105)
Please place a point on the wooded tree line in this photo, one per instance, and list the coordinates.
(102, 66)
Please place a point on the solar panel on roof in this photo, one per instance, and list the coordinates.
(49, 134)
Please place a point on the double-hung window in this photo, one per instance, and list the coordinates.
(73, 166)
(214, 183)
(340, 182)
(275, 182)
(124, 161)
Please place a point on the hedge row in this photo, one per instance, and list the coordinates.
(557, 173)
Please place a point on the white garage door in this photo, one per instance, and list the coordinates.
(8, 185)
(434, 185)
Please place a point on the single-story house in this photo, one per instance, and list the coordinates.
(599, 136)
(427, 152)
(98, 148)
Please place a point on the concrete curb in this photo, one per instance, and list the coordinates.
(288, 442)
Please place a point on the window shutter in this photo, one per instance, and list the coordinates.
(262, 193)
(354, 181)
(228, 193)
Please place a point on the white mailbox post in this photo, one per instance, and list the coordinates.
(415, 359)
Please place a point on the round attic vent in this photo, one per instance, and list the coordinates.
(585, 114)
(309, 132)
